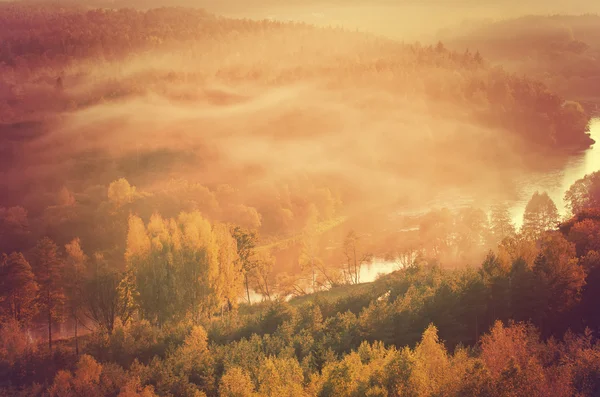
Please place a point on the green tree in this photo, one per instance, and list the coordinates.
(495, 278)
(525, 302)
(560, 277)
(475, 299)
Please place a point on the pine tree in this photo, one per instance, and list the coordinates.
(560, 277)
(48, 268)
(540, 215)
(75, 283)
(18, 288)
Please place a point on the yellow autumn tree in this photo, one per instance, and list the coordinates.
(85, 381)
(181, 266)
(138, 242)
(230, 285)
(280, 377)
(236, 383)
(120, 192)
(431, 368)
(75, 270)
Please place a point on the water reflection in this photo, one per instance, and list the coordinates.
(554, 182)
(557, 182)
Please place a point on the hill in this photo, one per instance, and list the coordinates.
(159, 165)
(560, 50)
(125, 94)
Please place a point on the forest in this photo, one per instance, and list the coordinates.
(195, 205)
(560, 50)
(174, 321)
(88, 72)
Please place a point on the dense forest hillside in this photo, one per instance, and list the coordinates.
(398, 19)
(75, 84)
(562, 51)
(522, 323)
(190, 205)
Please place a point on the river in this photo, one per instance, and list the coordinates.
(555, 182)
(384, 20)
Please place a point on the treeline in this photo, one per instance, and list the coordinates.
(71, 199)
(42, 46)
(42, 35)
(321, 251)
(99, 215)
(170, 324)
(559, 50)
(510, 361)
